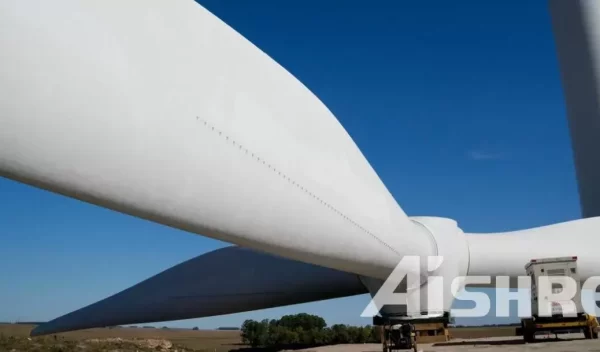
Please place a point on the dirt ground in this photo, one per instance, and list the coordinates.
(197, 340)
(477, 332)
(565, 343)
(488, 339)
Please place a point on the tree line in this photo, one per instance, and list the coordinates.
(303, 330)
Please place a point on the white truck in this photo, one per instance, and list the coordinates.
(556, 318)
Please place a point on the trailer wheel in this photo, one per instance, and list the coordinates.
(528, 336)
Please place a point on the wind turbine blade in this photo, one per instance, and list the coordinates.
(228, 280)
(505, 254)
(160, 110)
(576, 27)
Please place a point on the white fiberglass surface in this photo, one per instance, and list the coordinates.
(160, 110)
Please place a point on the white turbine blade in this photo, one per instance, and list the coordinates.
(576, 27)
(505, 254)
(160, 110)
(225, 281)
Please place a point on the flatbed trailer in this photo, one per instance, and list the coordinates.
(588, 324)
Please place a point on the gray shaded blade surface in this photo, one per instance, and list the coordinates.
(228, 280)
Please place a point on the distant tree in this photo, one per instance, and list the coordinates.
(375, 336)
(195, 328)
(255, 333)
(303, 330)
(322, 337)
(361, 334)
(340, 334)
(306, 321)
(282, 336)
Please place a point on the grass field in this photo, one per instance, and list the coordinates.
(16, 337)
(191, 340)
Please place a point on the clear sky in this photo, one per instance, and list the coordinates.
(456, 104)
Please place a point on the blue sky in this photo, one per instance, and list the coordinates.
(457, 105)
